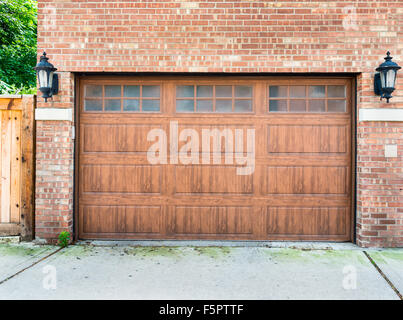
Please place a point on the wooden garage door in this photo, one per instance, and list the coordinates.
(300, 188)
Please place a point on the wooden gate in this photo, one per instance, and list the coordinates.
(16, 165)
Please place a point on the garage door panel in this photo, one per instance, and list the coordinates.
(306, 221)
(116, 138)
(212, 220)
(96, 219)
(129, 178)
(205, 179)
(121, 219)
(306, 180)
(339, 222)
(216, 138)
(307, 139)
(140, 219)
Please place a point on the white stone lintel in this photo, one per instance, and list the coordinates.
(54, 114)
(381, 114)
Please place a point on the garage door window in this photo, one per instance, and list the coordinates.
(310, 98)
(118, 98)
(214, 98)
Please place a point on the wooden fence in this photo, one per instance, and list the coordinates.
(17, 165)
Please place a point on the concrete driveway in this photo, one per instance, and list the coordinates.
(287, 271)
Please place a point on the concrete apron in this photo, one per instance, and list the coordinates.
(203, 270)
(314, 245)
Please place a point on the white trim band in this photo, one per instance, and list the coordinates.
(54, 114)
(381, 114)
(10, 96)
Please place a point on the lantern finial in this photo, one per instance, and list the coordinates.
(44, 57)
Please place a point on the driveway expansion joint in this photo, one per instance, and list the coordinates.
(383, 275)
(30, 266)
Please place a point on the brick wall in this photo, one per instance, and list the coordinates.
(237, 36)
(54, 182)
(380, 184)
(55, 167)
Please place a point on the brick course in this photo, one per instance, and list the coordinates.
(227, 36)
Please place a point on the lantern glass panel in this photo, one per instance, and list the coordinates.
(382, 74)
(43, 78)
(50, 79)
(390, 78)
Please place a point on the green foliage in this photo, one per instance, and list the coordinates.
(18, 24)
(64, 239)
(13, 89)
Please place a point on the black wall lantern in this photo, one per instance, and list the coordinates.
(385, 79)
(48, 80)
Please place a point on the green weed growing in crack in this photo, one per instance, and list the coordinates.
(64, 239)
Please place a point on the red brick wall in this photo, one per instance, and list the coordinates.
(239, 36)
(379, 185)
(54, 182)
(55, 167)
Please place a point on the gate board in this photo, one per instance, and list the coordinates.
(10, 166)
(16, 165)
(301, 186)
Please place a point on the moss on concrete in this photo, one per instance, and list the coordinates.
(153, 251)
(387, 254)
(213, 252)
(162, 251)
(22, 249)
(78, 251)
(321, 256)
(7, 239)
